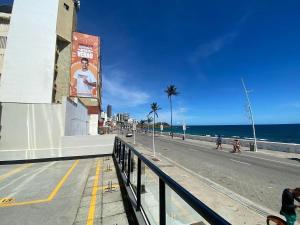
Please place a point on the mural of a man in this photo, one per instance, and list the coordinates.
(84, 80)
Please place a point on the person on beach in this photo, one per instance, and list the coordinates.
(288, 208)
(219, 142)
(236, 146)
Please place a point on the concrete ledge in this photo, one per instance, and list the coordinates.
(51, 159)
(71, 146)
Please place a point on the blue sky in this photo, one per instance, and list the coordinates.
(204, 48)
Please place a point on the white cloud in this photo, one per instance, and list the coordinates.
(117, 92)
(212, 47)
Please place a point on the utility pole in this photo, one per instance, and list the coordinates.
(134, 130)
(184, 129)
(251, 114)
(153, 144)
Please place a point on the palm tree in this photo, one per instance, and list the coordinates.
(171, 90)
(142, 123)
(149, 120)
(154, 108)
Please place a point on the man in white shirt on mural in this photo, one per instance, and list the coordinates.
(85, 81)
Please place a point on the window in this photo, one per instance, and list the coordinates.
(3, 42)
(66, 6)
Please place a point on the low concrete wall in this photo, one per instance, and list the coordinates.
(274, 146)
(69, 147)
(35, 126)
(31, 126)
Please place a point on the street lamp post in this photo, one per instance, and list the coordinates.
(134, 129)
(251, 114)
(184, 129)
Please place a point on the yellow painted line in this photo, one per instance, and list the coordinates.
(14, 171)
(91, 215)
(6, 200)
(23, 203)
(50, 197)
(62, 181)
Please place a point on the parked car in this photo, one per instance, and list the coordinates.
(129, 134)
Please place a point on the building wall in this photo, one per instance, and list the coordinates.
(77, 119)
(37, 126)
(63, 63)
(31, 126)
(4, 26)
(30, 54)
(93, 124)
(66, 22)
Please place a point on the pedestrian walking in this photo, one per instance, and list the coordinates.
(219, 142)
(288, 208)
(236, 146)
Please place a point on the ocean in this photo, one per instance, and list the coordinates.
(286, 133)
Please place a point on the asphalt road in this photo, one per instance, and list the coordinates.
(259, 178)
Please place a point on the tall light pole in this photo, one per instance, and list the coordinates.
(251, 114)
(184, 129)
(153, 144)
(134, 130)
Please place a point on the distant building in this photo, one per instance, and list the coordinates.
(5, 14)
(109, 111)
(122, 117)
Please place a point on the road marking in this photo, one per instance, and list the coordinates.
(91, 215)
(50, 197)
(6, 200)
(31, 177)
(62, 181)
(271, 160)
(20, 177)
(14, 171)
(240, 162)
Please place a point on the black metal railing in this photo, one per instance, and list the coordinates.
(126, 156)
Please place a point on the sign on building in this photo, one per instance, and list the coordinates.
(85, 66)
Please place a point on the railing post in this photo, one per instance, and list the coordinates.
(123, 158)
(129, 166)
(120, 152)
(138, 188)
(119, 149)
(162, 202)
(115, 146)
(117, 142)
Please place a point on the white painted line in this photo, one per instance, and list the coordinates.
(271, 160)
(24, 175)
(240, 162)
(46, 149)
(18, 188)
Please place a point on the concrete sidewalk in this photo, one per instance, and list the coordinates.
(233, 207)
